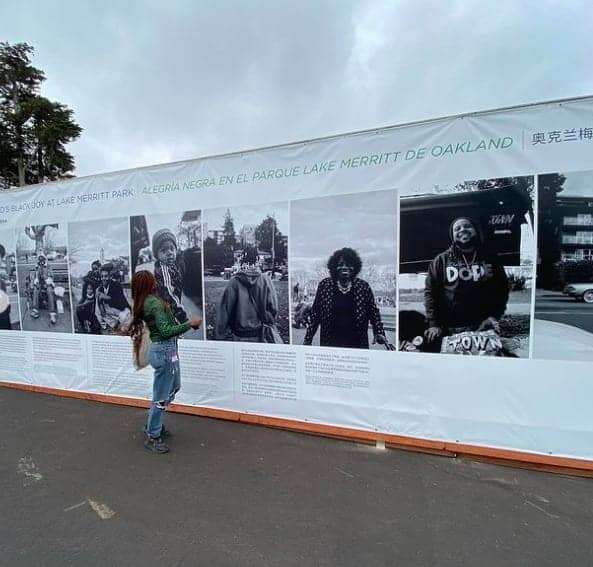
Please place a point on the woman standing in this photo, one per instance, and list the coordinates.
(344, 306)
(163, 355)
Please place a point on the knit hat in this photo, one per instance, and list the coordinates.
(160, 237)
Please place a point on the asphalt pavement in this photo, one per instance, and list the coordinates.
(79, 489)
(555, 306)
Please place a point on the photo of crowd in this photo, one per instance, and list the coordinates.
(100, 275)
(564, 294)
(467, 267)
(43, 282)
(343, 270)
(9, 308)
(170, 246)
(246, 273)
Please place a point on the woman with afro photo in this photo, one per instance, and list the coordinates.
(344, 306)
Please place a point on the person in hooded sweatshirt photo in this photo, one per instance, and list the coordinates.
(249, 304)
(466, 289)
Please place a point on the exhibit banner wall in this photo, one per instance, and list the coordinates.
(432, 281)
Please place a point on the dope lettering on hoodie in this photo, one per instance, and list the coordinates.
(467, 273)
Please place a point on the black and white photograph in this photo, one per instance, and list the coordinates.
(467, 268)
(9, 299)
(43, 281)
(564, 290)
(170, 246)
(343, 270)
(246, 273)
(100, 275)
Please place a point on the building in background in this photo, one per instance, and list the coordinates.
(576, 228)
(247, 235)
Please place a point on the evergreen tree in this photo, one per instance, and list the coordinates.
(270, 239)
(33, 129)
(549, 225)
(52, 128)
(228, 231)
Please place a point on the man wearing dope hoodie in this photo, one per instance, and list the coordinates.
(466, 289)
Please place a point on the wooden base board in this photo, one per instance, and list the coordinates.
(505, 457)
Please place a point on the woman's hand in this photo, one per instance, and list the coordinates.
(380, 339)
(433, 333)
(195, 322)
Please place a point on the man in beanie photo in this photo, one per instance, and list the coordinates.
(466, 289)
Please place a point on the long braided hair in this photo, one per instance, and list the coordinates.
(143, 285)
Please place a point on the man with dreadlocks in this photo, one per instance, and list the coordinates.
(466, 289)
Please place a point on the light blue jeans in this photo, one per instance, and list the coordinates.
(164, 358)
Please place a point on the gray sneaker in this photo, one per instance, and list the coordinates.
(156, 445)
(165, 433)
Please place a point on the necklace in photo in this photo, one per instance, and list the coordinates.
(345, 288)
(468, 264)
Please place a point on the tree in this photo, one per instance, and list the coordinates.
(38, 234)
(19, 83)
(213, 255)
(33, 129)
(521, 185)
(549, 224)
(217, 256)
(269, 238)
(52, 128)
(229, 237)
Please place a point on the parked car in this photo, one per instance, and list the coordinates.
(580, 291)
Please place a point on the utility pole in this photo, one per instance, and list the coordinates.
(273, 243)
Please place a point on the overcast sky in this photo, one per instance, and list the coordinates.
(154, 81)
(8, 240)
(363, 221)
(87, 238)
(578, 184)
